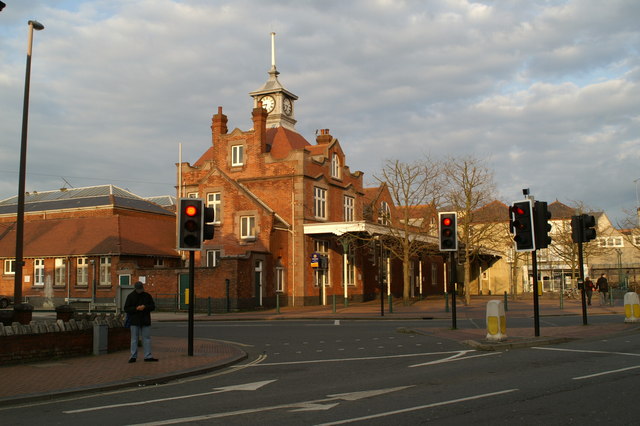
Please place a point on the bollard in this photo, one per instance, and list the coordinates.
(100, 339)
(506, 306)
(278, 303)
(496, 321)
(631, 307)
(446, 302)
(334, 303)
(209, 306)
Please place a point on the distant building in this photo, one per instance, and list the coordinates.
(85, 243)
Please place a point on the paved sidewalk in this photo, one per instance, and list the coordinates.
(67, 376)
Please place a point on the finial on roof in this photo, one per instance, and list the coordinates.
(273, 54)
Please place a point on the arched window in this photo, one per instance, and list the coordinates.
(335, 166)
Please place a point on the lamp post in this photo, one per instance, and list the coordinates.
(17, 293)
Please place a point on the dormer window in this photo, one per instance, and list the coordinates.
(335, 166)
(384, 214)
(237, 155)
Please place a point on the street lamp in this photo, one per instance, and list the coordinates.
(17, 291)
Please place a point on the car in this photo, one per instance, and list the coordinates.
(5, 301)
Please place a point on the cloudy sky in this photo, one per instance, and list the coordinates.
(547, 92)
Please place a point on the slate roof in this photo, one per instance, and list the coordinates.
(92, 236)
(74, 198)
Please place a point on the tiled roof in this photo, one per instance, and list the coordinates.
(495, 211)
(283, 141)
(560, 211)
(94, 196)
(112, 235)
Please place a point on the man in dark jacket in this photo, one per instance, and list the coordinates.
(138, 306)
(602, 285)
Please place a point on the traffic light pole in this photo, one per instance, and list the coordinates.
(536, 305)
(453, 278)
(584, 302)
(191, 303)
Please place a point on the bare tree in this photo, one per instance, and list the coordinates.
(470, 185)
(417, 184)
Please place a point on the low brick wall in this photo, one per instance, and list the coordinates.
(46, 340)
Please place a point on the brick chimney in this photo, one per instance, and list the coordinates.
(259, 116)
(219, 124)
(323, 136)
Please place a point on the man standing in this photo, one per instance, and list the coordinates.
(138, 306)
(602, 285)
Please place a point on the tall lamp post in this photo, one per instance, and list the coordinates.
(17, 292)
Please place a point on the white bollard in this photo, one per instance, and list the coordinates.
(496, 321)
(631, 307)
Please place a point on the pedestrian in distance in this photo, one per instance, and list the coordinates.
(138, 306)
(588, 289)
(603, 287)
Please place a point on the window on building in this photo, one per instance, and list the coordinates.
(247, 227)
(60, 275)
(105, 270)
(214, 200)
(335, 166)
(38, 272)
(10, 266)
(82, 271)
(351, 266)
(237, 155)
(611, 242)
(192, 195)
(213, 258)
(384, 214)
(636, 240)
(279, 279)
(158, 262)
(320, 202)
(348, 208)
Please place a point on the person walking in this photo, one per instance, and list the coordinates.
(588, 289)
(138, 306)
(602, 285)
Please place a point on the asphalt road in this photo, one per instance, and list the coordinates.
(373, 373)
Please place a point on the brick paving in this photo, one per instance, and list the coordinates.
(71, 375)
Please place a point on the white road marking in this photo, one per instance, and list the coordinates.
(585, 351)
(454, 358)
(606, 372)
(420, 407)
(244, 387)
(315, 404)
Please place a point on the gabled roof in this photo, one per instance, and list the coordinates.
(75, 198)
(495, 211)
(560, 211)
(282, 141)
(110, 235)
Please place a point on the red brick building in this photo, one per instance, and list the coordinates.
(85, 244)
(281, 201)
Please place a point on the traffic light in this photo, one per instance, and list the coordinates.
(190, 224)
(448, 231)
(583, 228)
(522, 225)
(207, 233)
(541, 225)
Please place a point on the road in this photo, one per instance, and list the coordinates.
(374, 373)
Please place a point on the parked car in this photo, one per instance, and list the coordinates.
(5, 301)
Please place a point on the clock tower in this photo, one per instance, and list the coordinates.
(277, 100)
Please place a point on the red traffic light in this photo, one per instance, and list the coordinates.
(446, 221)
(191, 211)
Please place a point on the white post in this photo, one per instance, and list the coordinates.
(420, 276)
(273, 49)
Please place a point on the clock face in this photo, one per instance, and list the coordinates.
(287, 106)
(268, 103)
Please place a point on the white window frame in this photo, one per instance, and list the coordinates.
(349, 202)
(237, 155)
(335, 166)
(10, 266)
(611, 242)
(213, 258)
(247, 227)
(105, 270)
(384, 214)
(319, 202)
(38, 272)
(214, 200)
(60, 272)
(636, 240)
(158, 262)
(82, 271)
(192, 195)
